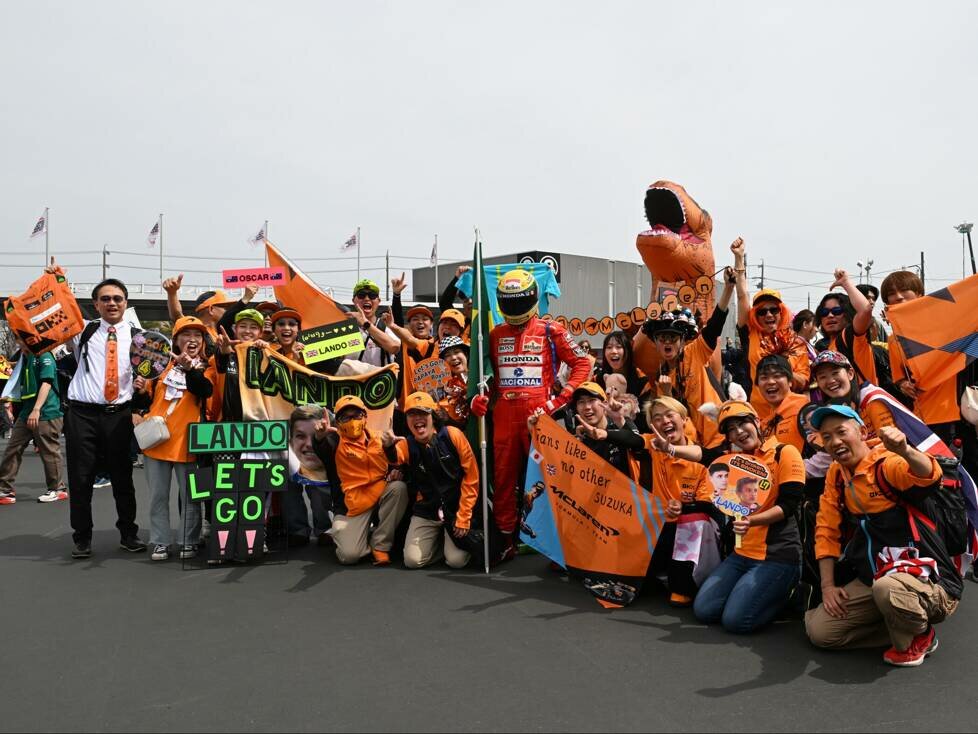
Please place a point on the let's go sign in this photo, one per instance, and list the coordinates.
(215, 438)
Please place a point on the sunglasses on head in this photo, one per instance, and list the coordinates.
(769, 311)
(367, 294)
(835, 311)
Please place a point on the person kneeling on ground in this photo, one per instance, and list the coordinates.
(441, 471)
(361, 482)
(901, 580)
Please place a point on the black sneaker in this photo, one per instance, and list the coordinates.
(82, 550)
(133, 545)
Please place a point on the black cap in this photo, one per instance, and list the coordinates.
(869, 290)
(203, 297)
(776, 362)
(110, 281)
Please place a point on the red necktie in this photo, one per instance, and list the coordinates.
(111, 388)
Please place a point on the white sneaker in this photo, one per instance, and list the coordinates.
(102, 483)
(188, 551)
(53, 495)
(160, 553)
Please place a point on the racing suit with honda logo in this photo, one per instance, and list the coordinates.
(525, 360)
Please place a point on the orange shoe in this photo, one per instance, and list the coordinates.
(678, 600)
(381, 558)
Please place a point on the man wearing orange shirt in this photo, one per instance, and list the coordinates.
(778, 407)
(897, 579)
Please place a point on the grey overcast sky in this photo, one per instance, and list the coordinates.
(823, 133)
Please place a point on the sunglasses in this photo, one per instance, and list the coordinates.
(835, 311)
(112, 299)
(769, 311)
(367, 294)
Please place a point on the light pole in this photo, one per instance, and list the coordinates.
(865, 267)
(965, 229)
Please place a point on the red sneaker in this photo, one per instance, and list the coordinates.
(922, 646)
(8, 498)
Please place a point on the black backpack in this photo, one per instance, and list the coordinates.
(942, 508)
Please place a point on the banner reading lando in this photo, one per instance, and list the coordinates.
(584, 514)
(272, 386)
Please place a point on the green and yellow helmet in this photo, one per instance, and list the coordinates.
(517, 295)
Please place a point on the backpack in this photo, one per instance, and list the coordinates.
(942, 509)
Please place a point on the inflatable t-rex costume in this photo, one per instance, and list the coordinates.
(678, 251)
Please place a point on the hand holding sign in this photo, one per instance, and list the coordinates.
(149, 354)
(741, 485)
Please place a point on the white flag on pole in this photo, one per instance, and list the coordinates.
(351, 243)
(41, 227)
(258, 238)
(154, 234)
(434, 253)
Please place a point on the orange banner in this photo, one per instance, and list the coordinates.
(300, 292)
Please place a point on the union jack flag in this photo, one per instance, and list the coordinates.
(258, 238)
(41, 226)
(551, 470)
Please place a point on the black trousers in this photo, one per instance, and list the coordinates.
(679, 574)
(96, 440)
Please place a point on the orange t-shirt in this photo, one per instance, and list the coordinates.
(678, 479)
(782, 422)
(859, 350)
(938, 405)
(186, 411)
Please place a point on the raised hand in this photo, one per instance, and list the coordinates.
(323, 427)
(659, 442)
(461, 269)
(398, 284)
(893, 439)
(737, 248)
(388, 439)
(224, 343)
(250, 292)
(665, 385)
(841, 278)
(172, 285)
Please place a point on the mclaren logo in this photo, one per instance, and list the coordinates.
(572, 504)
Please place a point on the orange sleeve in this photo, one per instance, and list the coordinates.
(469, 490)
(791, 467)
(828, 523)
(402, 451)
(801, 366)
(704, 487)
(898, 361)
(897, 473)
(877, 415)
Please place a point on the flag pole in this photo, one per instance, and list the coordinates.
(358, 253)
(437, 293)
(161, 247)
(482, 386)
(47, 229)
(265, 248)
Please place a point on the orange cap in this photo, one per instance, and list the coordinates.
(188, 322)
(767, 293)
(220, 298)
(735, 409)
(349, 401)
(419, 311)
(590, 388)
(286, 312)
(420, 401)
(452, 314)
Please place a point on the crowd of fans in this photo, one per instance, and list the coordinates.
(816, 397)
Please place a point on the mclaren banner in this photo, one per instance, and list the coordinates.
(272, 386)
(585, 515)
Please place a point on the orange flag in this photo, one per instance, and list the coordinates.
(939, 332)
(301, 293)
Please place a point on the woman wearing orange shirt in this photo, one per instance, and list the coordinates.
(179, 396)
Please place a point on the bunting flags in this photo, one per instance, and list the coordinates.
(939, 332)
(318, 309)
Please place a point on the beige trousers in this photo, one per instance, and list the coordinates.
(424, 545)
(894, 610)
(350, 533)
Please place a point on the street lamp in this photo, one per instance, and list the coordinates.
(864, 267)
(965, 229)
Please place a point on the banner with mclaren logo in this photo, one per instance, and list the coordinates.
(585, 515)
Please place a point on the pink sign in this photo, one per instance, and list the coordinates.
(255, 276)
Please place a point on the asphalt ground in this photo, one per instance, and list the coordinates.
(119, 643)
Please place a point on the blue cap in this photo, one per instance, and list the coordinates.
(826, 411)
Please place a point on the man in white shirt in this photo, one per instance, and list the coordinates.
(98, 428)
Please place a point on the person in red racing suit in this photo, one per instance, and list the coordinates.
(526, 353)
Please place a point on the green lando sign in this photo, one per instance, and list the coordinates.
(217, 438)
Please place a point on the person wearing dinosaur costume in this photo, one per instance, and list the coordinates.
(678, 251)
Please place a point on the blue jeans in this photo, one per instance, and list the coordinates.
(744, 594)
(296, 514)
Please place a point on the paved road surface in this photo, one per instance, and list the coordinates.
(118, 643)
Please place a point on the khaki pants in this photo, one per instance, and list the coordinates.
(47, 439)
(894, 610)
(423, 546)
(350, 533)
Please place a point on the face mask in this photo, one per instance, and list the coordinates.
(353, 429)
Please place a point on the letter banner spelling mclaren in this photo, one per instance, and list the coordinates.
(585, 515)
(272, 386)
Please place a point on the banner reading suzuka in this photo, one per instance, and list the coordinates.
(585, 515)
